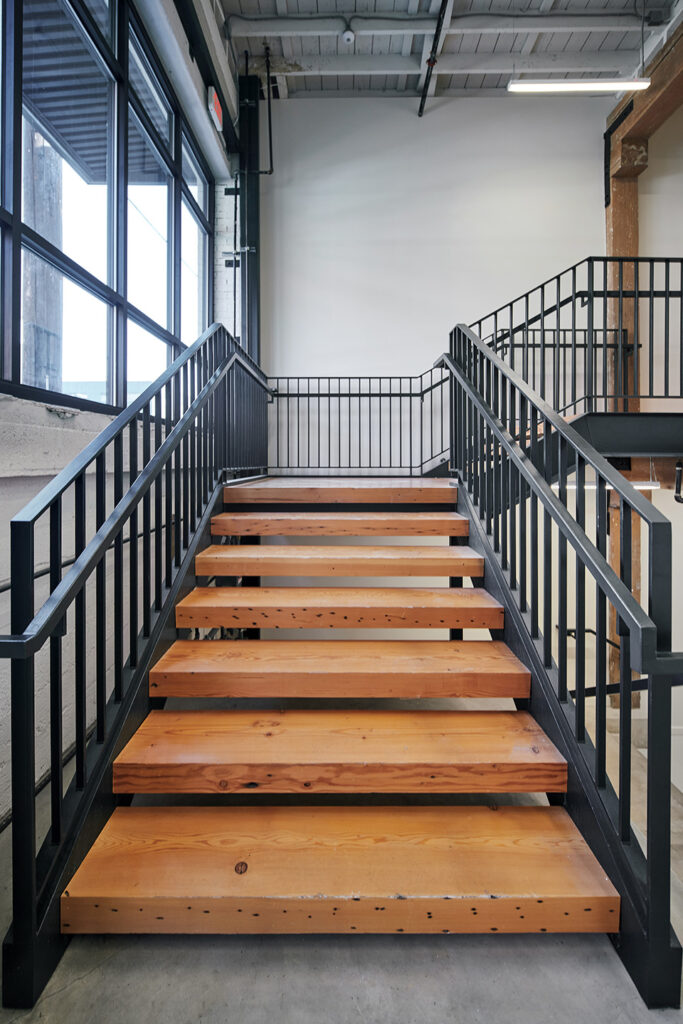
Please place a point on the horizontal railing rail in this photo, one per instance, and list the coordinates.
(390, 425)
(537, 487)
(151, 478)
(605, 335)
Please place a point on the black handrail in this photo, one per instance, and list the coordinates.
(203, 421)
(516, 456)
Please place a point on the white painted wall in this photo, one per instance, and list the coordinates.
(380, 230)
(660, 192)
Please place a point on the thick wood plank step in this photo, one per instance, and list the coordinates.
(339, 668)
(331, 751)
(256, 870)
(338, 560)
(345, 607)
(339, 524)
(361, 490)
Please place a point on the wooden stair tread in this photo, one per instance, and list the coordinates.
(384, 490)
(339, 668)
(339, 869)
(300, 607)
(338, 560)
(339, 524)
(332, 751)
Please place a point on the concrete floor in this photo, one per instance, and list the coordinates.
(502, 979)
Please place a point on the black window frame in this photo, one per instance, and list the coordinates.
(15, 235)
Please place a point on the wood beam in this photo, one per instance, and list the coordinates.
(665, 95)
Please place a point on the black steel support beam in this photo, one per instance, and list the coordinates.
(642, 434)
(249, 86)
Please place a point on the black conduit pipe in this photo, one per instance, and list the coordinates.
(432, 59)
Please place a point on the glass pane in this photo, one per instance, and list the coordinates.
(68, 132)
(192, 278)
(101, 11)
(194, 179)
(65, 332)
(148, 357)
(149, 199)
(149, 92)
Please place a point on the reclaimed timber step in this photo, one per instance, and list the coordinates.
(333, 751)
(343, 607)
(350, 490)
(338, 560)
(283, 870)
(340, 524)
(339, 668)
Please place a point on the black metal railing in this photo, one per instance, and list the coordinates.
(536, 487)
(387, 425)
(606, 335)
(151, 478)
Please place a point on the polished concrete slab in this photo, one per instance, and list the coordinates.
(530, 979)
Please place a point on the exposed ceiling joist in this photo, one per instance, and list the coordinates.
(617, 61)
(407, 24)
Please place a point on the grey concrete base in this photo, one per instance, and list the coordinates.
(339, 979)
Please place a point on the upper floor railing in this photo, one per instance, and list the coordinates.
(129, 510)
(337, 425)
(606, 335)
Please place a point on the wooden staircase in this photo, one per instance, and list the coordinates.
(351, 840)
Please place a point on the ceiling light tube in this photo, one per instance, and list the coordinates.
(572, 85)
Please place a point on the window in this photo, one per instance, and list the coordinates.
(192, 277)
(148, 357)
(148, 91)
(102, 12)
(68, 131)
(194, 179)
(149, 213)
(106, 289)
(65, 334)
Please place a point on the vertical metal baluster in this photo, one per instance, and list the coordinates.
(601, 644)
(171, 526)
(605, 337)
(636, 329)
(118, 573)
(556, 357)
(547, 552)
(625, 687)
(101, 600)
(180, 527)
(158, 524)
(146, 529)
(542, 341)
(133, 553)
(619, 354)
(512, 496)
(186, 463)
(667, 326)
(562, 575)
(573, 367)
(56, 772)
(580, 633)
(533, 574)
(504, 488)
(80, 621)
(651, 331)
(193, 440)
(523, 430)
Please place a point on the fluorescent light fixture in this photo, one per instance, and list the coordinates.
(563, 85)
